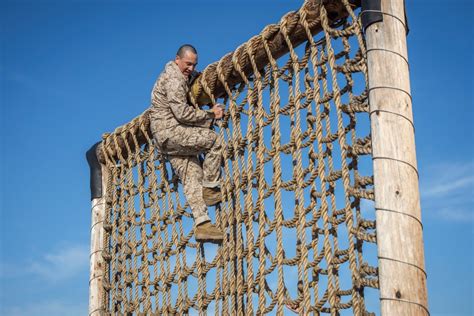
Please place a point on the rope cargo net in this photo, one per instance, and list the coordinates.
(297, 180)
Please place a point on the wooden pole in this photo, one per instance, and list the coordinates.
(402, 275)
(97, 263)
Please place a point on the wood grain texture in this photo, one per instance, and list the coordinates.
(402, 276)
(97, 263)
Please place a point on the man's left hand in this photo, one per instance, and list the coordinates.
(218, 110)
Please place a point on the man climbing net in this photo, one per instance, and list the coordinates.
(182, 132)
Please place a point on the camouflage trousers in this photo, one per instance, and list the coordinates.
(183, 145)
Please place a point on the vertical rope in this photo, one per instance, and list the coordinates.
(277, 175)
(342, 142)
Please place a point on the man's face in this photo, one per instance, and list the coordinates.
(187, 63)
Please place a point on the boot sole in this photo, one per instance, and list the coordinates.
(207, 239)
(212, 203)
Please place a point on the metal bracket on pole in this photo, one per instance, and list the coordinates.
(96, 172)
(371, 13)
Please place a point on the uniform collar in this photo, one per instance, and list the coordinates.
(175, 68)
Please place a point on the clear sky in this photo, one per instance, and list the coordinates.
(71, 70)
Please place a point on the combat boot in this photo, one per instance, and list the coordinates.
(208, 232)
(211, 196)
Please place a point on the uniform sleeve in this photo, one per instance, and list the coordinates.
(185, 114)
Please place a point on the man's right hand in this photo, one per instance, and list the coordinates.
(218, 110)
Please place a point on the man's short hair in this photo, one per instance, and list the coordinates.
(186, 48)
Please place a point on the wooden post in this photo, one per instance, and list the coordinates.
(97, 263)
(402, 275)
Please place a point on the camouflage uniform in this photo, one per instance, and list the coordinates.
(182, 132)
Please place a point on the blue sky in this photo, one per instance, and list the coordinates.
(71, 70)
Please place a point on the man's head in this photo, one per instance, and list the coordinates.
(186, 59)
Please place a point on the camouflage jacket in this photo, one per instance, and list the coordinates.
(170, 107)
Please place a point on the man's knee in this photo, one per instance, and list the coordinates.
(210, 136)
(187, 168)
(217, 141)
(178, 164)
(195, 138)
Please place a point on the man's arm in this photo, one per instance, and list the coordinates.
(185, 114)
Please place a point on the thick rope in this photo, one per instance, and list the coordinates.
(293, 214)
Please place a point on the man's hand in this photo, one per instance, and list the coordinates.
(218, 110)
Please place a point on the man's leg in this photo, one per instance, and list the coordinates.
(189, 172)
(193, 141)
(212, 170)
(212, 164)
